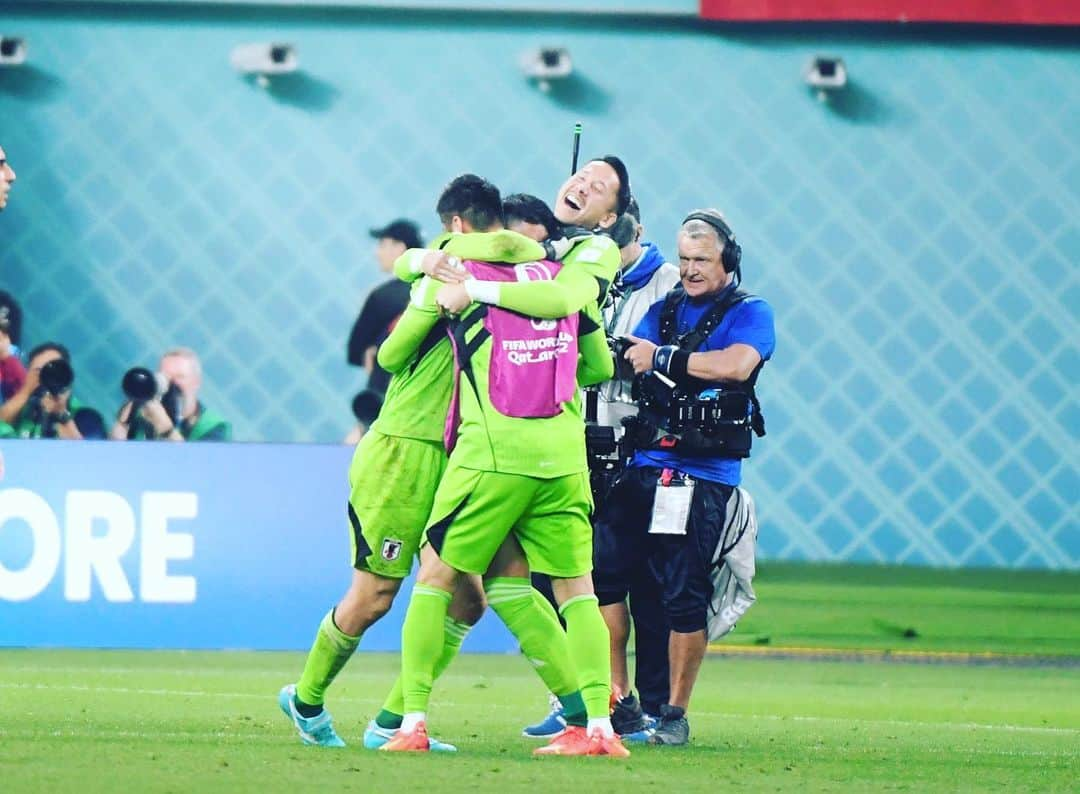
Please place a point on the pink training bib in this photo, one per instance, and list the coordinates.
(532, 368)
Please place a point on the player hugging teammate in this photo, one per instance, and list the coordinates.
(477, 465)
(517, 442)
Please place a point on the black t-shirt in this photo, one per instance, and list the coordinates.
(381, 309)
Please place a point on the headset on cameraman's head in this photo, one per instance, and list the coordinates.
(731, 255)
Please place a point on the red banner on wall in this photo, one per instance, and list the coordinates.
(1000, 12)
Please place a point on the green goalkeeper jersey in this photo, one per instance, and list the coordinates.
(417, 352)
(551, 446)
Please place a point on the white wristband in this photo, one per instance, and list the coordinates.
(416, 259)
(483, 291)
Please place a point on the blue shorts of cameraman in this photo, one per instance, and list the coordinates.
(668, 509)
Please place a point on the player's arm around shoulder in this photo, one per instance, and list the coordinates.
(595, 364)
(399, 348)
(587, 271)
(407, 267)
(501, 247)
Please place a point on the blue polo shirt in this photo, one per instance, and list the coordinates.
(750, 323)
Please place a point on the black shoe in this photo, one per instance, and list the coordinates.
(627, 716)
(673, 728)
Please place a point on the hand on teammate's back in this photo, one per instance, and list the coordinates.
(453, 298)
(442, 267)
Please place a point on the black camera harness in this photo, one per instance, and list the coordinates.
(672, 417)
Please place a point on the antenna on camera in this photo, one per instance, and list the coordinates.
(577, 147)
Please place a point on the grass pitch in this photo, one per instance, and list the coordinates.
(166, 721)
(913, 609)
(112, 721)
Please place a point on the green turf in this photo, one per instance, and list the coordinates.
(852, 606)
(107, 721)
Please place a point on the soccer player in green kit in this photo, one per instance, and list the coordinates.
(521, 469)
(393, 476)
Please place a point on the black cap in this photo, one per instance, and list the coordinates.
(402, 230)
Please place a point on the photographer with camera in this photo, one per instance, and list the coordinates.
(43, 406)
(697, 355)
(165, 406)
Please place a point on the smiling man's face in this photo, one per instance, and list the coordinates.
(589, 197)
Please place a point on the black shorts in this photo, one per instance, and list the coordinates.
(679, 563)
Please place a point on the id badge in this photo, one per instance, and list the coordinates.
(671, 508)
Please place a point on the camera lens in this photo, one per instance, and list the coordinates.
(57, 376)
(139, 383)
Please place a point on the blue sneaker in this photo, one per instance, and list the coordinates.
(643, 736)
(551, 725)
(318, 730)
(375, 737)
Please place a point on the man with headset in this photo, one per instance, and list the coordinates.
(697, 354)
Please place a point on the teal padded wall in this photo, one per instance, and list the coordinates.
(919, 239)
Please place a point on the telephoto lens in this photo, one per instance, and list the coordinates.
(139, 384)
(57, 376)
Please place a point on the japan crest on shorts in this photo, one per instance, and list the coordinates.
(391, 549)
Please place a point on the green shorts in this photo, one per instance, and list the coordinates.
(392, 482)
(475, 510)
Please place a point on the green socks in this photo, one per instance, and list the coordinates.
(422, 641)
(394, 707)
(535, 625)
(329, 653)
(587, 636)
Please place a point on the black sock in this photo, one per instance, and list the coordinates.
(306, 709)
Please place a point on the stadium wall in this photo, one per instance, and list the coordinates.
(917, 237)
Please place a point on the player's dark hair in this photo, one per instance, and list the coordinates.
(473, 199)
(530, 209)
(623, 196)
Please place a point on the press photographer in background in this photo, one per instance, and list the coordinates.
(166, 404)
(43, 406)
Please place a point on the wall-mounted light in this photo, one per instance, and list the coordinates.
(826, 75)
(12, 51)
(264, 60)
(547, 64)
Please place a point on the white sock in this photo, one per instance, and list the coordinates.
(602, 724)
(410, 721)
